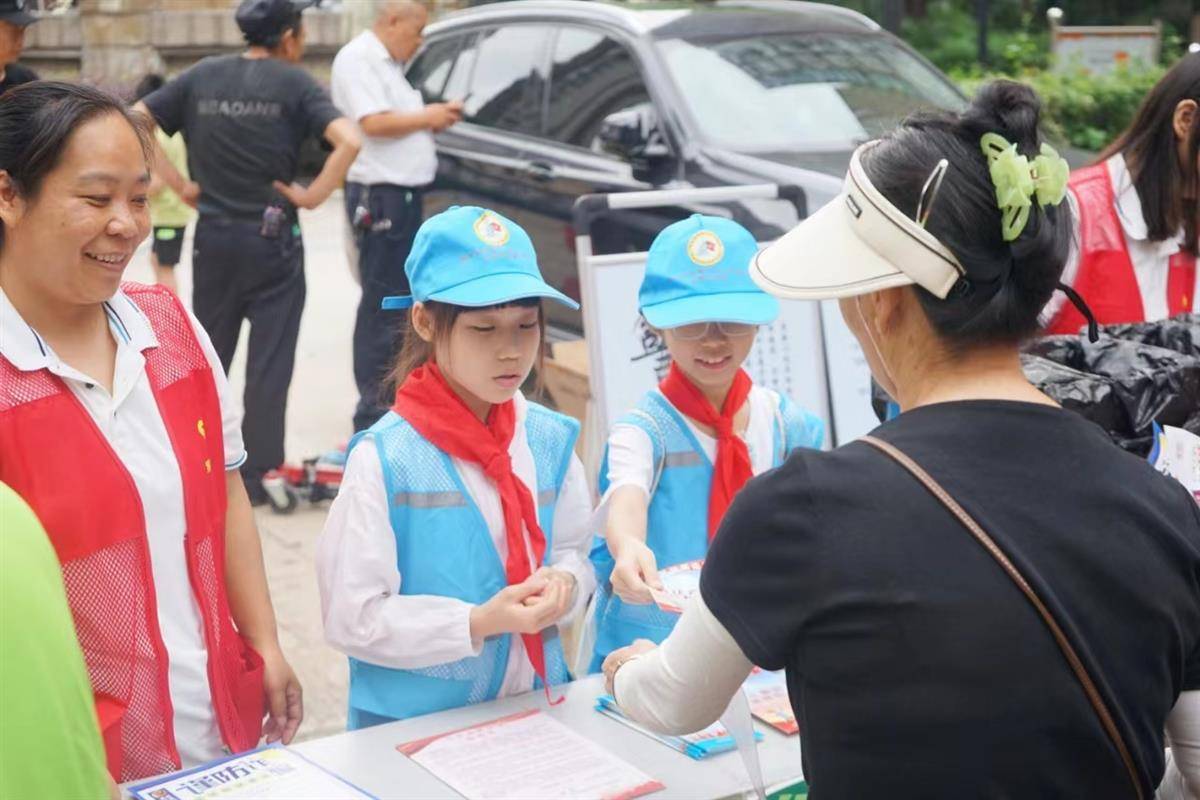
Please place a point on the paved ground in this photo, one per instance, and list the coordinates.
(318, 416)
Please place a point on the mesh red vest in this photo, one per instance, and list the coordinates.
(1106, 279)
(52, 453)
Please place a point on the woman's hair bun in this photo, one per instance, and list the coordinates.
(1010, 109)
(1007, 283)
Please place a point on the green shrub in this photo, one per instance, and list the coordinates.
(1088, 111)
(948, 36)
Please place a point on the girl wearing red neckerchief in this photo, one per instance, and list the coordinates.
(458, 541)
(674, 463)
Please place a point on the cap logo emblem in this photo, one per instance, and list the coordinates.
(491, 230)
(853, 206)
(705, 248)
(20, 5)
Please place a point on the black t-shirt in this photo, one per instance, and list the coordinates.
(15, 75)
(915, 666)
(244, 121)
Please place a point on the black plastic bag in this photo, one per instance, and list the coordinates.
(1091, 396)
(1150, 384)
(1180, 333)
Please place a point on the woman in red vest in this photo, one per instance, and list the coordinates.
(1135, 258)
(115, 427)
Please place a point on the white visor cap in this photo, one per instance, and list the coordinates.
(858, 243)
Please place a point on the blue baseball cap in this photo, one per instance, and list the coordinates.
(698, 271)
(471, 256)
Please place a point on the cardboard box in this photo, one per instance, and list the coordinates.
(566, 378)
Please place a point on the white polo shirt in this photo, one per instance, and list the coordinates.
(130, 421)
(366, 81)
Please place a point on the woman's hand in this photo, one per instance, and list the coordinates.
(528, 607)
(618, 657)
(285, 701)
(635, 571)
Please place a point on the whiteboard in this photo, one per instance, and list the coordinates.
(807, 354)
(1100, 50)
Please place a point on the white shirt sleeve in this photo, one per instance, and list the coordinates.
(630, 459)
(231, 412)
(365, 617)
(686, 683)
(1070, 269)
(573, 535)
(359, 87)
(1182, 778)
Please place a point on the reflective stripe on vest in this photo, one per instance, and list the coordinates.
(92, 512)
(443, 548)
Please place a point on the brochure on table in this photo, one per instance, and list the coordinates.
(527, 756)
(269, 773)
(708, 742)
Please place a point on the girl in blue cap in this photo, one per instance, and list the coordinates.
(674, 463)
(458, 541)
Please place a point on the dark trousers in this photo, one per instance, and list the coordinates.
(384, 241)
(238, 275)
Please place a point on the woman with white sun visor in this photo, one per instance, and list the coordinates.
(984, 597)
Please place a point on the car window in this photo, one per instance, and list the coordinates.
(591, 77)
(428, 71)
(507, 81)
(460, 74)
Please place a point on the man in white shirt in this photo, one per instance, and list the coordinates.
(384, 186)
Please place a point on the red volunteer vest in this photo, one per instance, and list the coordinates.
(1106, 278)
(52, 453)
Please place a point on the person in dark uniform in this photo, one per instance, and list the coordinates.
(14, 19)
(386, 184)
(244, 118)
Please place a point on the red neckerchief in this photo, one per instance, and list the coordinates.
(732, 468)
(436, 411)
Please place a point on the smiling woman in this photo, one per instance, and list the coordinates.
(159, 552)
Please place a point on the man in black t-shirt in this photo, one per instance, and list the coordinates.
(244, 118)
(14, 19)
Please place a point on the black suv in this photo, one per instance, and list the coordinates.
(564, 98)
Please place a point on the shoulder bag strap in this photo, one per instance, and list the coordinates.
(1081, 673)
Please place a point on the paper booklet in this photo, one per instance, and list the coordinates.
(527, 755)
(269, 773)
(768, 696)
(701, 744)
(680, 583)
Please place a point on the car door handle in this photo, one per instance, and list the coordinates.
(539, 171)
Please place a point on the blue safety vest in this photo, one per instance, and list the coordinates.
(443, 548)
(677, 520)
